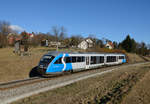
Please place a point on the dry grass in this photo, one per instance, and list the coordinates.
(109, 88)
(134, 58)
(147, 58)
(13, 67)
(140, 93)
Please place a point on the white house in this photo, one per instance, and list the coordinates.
(54, 43)
(109, 45)
(87, 43)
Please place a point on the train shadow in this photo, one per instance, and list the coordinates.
(33, 72)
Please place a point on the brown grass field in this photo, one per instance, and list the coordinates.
(126, 86)
(14, 67)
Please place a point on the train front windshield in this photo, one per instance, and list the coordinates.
(45, 61)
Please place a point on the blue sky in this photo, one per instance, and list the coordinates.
(112, 19)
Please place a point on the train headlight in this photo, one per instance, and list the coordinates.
(41, 66)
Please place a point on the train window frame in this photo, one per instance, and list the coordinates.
(98, 59)
(111, 59)
(101, 59)
(93, 60)
(47, 57)
(66, 60)
(83, 59)
(79, 59)
(46, 60)
(121, 57)
(58, 61)
(73, 59)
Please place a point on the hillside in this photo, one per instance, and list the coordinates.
(13, 67)
(128, 85)
(133, 58)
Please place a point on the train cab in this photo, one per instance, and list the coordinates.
(121, 59)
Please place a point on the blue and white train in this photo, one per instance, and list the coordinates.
(59, 62)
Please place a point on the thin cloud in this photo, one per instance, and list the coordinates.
(16, 28)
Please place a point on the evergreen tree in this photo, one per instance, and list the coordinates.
(129, 44)
(126, 44)
(133, 45)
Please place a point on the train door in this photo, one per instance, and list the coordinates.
(87, 62)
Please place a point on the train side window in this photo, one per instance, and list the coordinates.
(98, 59)
(121, 57)
(114, 59)
(79, 59)
(58, 61)
(93, 60)
(83, 59)
(111, 58)
(73, 59)
(108, 58)
(101, 59)
(68, 59)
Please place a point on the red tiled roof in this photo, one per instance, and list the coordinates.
(111, 44)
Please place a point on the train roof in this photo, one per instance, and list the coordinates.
(56, 53)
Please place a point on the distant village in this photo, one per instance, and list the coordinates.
(25, 39)
(58, 38)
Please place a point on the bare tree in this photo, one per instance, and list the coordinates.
(5, 27)
(62, 33)
(59, 34)
(56, 32)
(4, 31)
(75, 40)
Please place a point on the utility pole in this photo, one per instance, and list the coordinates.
(57, 46)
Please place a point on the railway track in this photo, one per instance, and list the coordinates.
(27, 81)
(22, 82)
(16, 90)
(11, 84)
